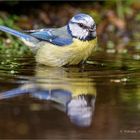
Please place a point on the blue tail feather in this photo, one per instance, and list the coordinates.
(18, 34)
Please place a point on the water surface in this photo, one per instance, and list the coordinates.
(98, 101)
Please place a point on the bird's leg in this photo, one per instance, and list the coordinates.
(82, 66)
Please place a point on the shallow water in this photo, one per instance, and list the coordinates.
(98, 101)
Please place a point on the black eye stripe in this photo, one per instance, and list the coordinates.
(83, 26)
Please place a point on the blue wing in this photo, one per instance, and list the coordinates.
(59, 36)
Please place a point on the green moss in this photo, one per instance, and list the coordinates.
(9, 45)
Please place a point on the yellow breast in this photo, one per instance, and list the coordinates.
(51, 55)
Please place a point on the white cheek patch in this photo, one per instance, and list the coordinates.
(78, 32)
(84, 35)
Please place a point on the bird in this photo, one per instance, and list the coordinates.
(71, 44)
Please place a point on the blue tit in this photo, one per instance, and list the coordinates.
(68, 45)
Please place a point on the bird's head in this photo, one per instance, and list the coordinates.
(83, 27)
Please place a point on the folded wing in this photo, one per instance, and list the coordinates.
(59, 36)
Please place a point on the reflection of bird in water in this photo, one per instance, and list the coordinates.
(69, 92)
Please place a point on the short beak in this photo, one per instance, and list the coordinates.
(91, 29)
(93, 33)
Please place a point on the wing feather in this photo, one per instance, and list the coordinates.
(57, 36)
